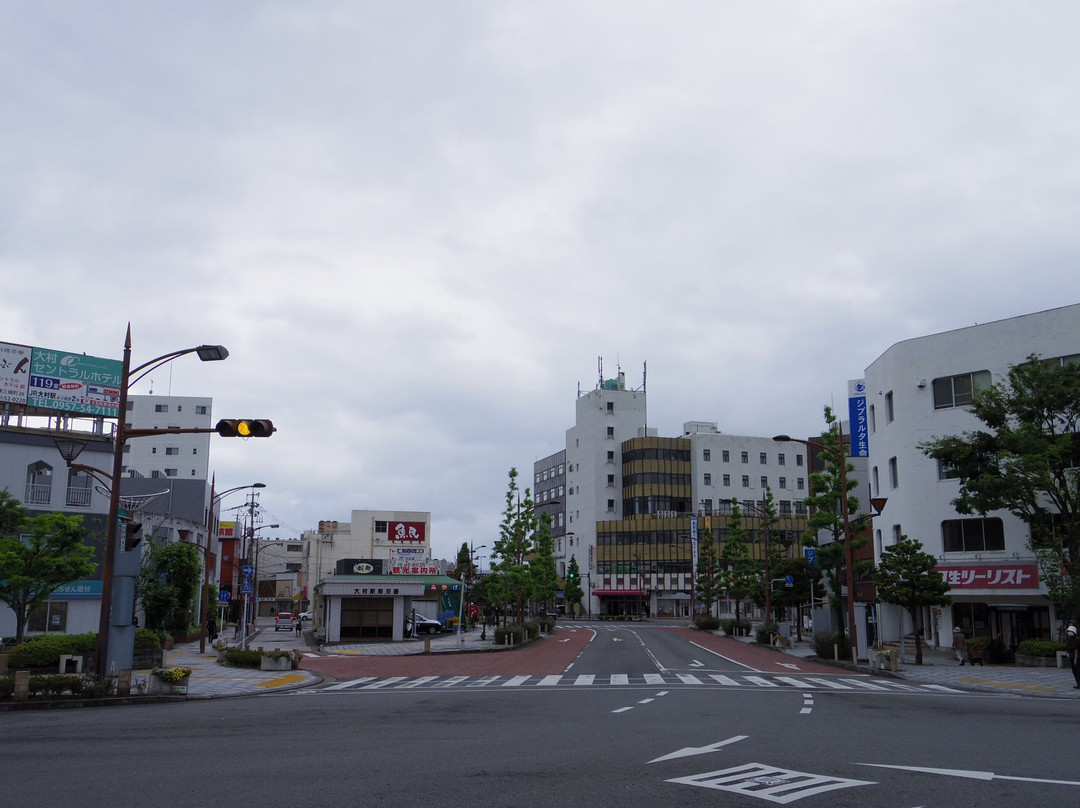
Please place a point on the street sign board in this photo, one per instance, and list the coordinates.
(223, 596)
(246, 588)
(248, 569)
(810, 553)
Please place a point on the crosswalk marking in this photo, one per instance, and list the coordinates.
(849, 684)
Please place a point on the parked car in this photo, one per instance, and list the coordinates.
(284, 620)
(426, 625)
(305, 616)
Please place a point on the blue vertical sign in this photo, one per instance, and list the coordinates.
(857, 417)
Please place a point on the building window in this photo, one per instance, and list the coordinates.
(380, 527)
(800, 483)
(172, 450)
(194, 451)
(611, 432)
(708, 479)
(201, 409)
(780, 459)
(873, 419)
(170, 472)
(727, 480)
(161, 408)
(746, 481)
(611, 457)
(798, 460)
(956, 391)
(945, 472)
(782, 483)
(611, 506)
(972, 535)
(764, 483)
(876, 488)
(706, 455)
(785, 507)
(611, 406)
(744, 456)
(894, 478)
(800, 508)
(763, 458)
(611, 481)
(889, 414)
(706, 505)
(725, 455)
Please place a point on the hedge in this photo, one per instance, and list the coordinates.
(1040, 648)
(45, 651)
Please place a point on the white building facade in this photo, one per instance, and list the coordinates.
(181, 456)
(917, 391)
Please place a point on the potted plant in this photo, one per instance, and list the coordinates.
(169, 681)
(888, 658)
(275, 660)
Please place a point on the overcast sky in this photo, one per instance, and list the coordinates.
(416, 225)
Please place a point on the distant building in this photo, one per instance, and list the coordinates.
(918, 390)
(184, 457)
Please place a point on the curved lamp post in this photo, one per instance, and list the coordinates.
(839, 458)
(207, 353)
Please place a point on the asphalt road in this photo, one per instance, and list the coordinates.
(500, 739)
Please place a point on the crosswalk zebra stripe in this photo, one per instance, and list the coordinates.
(829, 683)
(350, 683)
(549, 681)
(483, 681)
(794, 682)
(654, 679)
(620, 679)
(864, 684)
(724, 680)
(585, 679)
(453, 680)
(757, 680)
(517, 680)
(385, 682)
(423, 680)
(688, 678)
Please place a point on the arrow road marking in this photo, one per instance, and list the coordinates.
(791, 665)
(695, 664)
(700, 750)
(972, 775)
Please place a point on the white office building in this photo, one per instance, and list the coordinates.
(918, 391)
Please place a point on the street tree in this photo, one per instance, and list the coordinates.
(542, 570)
(739, 572)
(38, 555)
(825, 525)
(710, 581)
(509, 567)
(906, 576)
(464, 569)
(1026, 461)
(170, 578)
(771, 550)
(804, 577)
(572, 591)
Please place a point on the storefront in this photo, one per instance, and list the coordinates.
(1002, 602)
(362, 608)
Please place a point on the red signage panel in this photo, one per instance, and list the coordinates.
(406, 531)
(991, 576)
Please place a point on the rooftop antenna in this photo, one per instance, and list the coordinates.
(644, 385)
(600, 370)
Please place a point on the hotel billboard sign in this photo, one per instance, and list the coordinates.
(56, 380)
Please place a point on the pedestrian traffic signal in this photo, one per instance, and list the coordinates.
(245, 428)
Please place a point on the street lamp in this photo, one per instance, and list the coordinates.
(464, 584)
(839, 458)
(128, 376)
(214, 499)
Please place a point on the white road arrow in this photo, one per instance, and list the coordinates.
(700, 750)
(791, 665)
(972, 775)
(695, 664)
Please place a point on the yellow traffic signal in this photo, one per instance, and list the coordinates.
(245, 428)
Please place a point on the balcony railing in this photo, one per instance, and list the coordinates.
(38, 494)
(78, 497)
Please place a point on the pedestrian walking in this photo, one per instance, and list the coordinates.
(211, 628)
(299, 626)
(959, 644)
(1072, 648)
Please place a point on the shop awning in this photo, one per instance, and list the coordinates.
(618, 593)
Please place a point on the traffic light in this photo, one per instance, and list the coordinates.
(571, 576)
(245, 428)
(132, 535)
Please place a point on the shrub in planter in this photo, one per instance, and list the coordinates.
(7, 686)
(239, 658)
(765, 633)
(55, 684)
(45, 651)
(979, 644)
(706, 622)
(825, 641)
(147, 640)
(1040, 648)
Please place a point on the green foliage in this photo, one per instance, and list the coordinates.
(7, 686)
(906, 577)
(147, 639)
(38, 554)
(511, 631)
(542, 571)
(978, 643)
(710, 583)
(169, 582)
(45, 651)
(572, 591)
(706, 622)
(1023, 462)
(511, 581)
(739, 573)
(735, 627)
(825, 643)
(240, 658)
(765, 632)
(826, 503)
(1039, 648)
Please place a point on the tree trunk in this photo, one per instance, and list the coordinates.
(918, 634)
